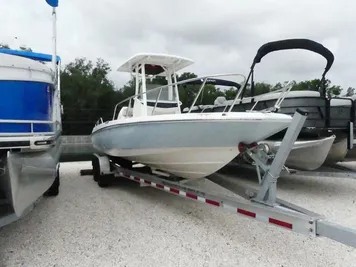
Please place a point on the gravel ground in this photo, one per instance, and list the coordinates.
(126, 225)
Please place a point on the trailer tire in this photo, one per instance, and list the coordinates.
(96, 168)
(54, 189)
(104, 180)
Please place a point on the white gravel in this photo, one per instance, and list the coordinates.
(126, 225)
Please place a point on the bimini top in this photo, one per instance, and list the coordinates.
(155, 62)
(295, 44)
(29, 55)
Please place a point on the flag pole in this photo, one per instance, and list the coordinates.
(54, 42)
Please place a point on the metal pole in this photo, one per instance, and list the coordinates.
(54, 43)
(267, 192)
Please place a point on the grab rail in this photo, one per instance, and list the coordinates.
(204, 78)
(286, 89)
(99, 121)
(31, 122)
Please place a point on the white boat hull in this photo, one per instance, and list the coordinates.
(185, 162)
(306, 155)
(338, 151)
(187, 145)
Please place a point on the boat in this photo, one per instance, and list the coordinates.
(152, 130)
(329, 117)
(30, 130)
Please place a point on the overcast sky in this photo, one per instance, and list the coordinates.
(219, 35)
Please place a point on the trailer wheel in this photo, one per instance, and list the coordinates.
(54, 189)
(104, 180)
(96, 168)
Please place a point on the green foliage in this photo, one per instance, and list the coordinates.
(87, 94)
(25, 48)
(4, 46)
(350, 91)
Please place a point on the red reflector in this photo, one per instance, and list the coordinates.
(147, 182)
(160, 186)
(241, 147)
(281, 223)
(212, 202)
(173, 190)
(247, 213)
(191, 196)
(136, 179)
(253, 145)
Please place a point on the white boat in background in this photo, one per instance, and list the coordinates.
(152, 131)
(305, 155)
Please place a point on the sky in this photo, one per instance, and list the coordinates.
(220, 36)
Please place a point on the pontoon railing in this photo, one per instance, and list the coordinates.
(32, 123)
(284, 91)
(160, 88)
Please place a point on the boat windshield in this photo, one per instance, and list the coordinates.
(167, 93)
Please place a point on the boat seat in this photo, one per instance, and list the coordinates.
(123, 112)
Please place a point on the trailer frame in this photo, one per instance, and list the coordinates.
(261, 204)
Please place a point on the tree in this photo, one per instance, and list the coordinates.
(87, 94)
(22, 47)
(334, 90)
(187, 92)
(311, 85)
(230, 93)
(4, 46)
(262, 88)
(350, 91)
(25, 48)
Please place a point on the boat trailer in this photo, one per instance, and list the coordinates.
(262, 204)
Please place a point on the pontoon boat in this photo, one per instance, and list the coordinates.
(329, 125)
(30, 130)
(327, 115)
